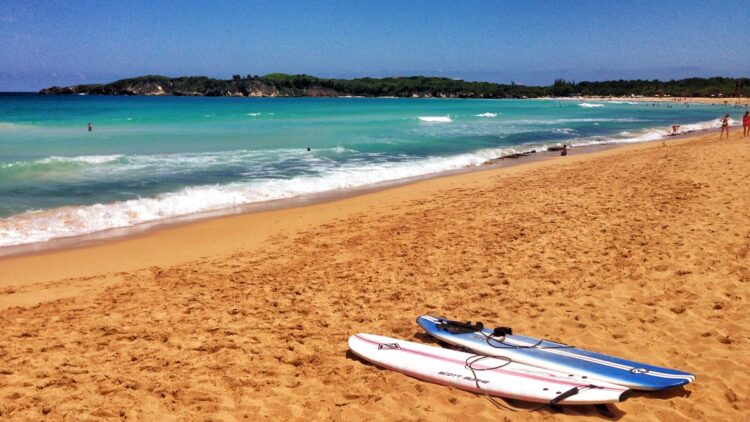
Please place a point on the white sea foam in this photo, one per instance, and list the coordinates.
(590, 105)
(253, 114)
(14, 126)
(645, 135)
(579, 120)
(711, 124)
(486, 115)
(435, 119)
(39, 226)
(83, 160)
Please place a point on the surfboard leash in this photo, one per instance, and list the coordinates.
(553, 404)
(472, 360)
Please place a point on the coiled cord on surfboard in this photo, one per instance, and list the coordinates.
(473, 359)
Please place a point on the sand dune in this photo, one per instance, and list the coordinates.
(642, 252)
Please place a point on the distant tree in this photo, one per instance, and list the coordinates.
(563, 88)
(236, 77)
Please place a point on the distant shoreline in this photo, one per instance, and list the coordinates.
(730, 101)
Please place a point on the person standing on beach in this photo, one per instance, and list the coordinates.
(746, 124)
(724, 126)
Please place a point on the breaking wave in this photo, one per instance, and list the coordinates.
(435, 119)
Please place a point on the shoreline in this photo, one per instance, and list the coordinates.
(121, 233)
(116, 234)
(175, 243)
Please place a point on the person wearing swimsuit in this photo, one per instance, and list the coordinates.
(746, 124)
(724, 126)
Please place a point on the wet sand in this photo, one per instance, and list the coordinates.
(641, 251)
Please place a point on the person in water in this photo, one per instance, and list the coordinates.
(724, 126)
(91, 128)
(746, 124)
(675, 128)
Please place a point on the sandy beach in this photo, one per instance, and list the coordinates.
(641, 251)
(723, 101)
(744, 101)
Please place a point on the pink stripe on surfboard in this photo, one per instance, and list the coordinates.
(469, 388)
(504, 371)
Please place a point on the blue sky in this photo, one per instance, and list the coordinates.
(44, 43)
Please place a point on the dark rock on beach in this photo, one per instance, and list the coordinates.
(509, 156)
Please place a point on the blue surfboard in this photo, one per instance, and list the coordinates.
(552, 355)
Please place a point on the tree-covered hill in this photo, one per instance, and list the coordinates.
(283, 85)
(691, 87)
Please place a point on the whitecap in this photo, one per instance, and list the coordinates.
(83, 159)
(435, 119)
(8, 125)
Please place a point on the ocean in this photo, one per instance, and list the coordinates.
(149, 159)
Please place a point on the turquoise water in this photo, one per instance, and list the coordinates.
(151, 158)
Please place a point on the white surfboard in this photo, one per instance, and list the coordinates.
(481, 374)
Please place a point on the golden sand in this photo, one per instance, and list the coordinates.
(641, 251)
